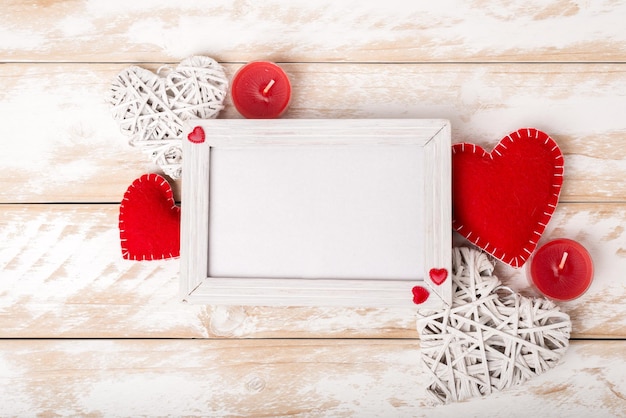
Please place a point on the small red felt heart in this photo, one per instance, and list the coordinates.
(149, 220)
(503, 200)
(197, 135)
(420, 294)
(438, 276)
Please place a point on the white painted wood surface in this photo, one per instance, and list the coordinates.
(85, 332)
(326, 30)
(580, 105)
(302, 378)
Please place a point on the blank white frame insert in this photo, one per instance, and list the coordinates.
(316, 212)
(350, 212)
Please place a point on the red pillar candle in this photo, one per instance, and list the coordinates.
(261, 90)
(562, 269)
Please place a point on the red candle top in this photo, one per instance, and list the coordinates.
(261, 90)
(562, 269)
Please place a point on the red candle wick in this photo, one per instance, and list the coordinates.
(562, 264)
(269, 86)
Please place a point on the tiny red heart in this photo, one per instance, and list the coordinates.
(197, 135)
(420, 294)
(438, 276)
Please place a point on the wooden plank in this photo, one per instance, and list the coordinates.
(65, 147)
(282, 378)
(396, 30)
(63, 276)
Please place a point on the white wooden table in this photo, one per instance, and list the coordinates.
(85, 332)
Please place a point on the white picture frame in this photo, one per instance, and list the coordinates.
(213, 143)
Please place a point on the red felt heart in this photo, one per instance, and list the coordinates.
(420, 294)
(197, 135)
(438, 276)
(503, 200)
(149, 220)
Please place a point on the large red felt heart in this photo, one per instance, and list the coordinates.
(149, 220)
(503, 200)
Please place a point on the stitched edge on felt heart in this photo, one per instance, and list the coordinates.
(160, 182)
(518, 259)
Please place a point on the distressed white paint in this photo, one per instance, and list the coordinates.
(71, 256)
(352, 30)
(62, 274)
(479, 100)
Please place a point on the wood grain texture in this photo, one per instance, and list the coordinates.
(299, 378)
(489, 67)
(63, 276)
(75, 138)
(296, 31)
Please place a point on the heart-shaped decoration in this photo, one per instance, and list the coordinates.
(438, 276)
(490, 338)
(503, 200)
(152, 109)
(420, 294)
(196, 136)
(149, 220)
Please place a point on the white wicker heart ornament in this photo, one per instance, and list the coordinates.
(490, 338)
(152, 108)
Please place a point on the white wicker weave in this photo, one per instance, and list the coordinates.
(490, 338)
(151, 108)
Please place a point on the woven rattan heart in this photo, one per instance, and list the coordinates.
(152, 109)
(490, 338)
